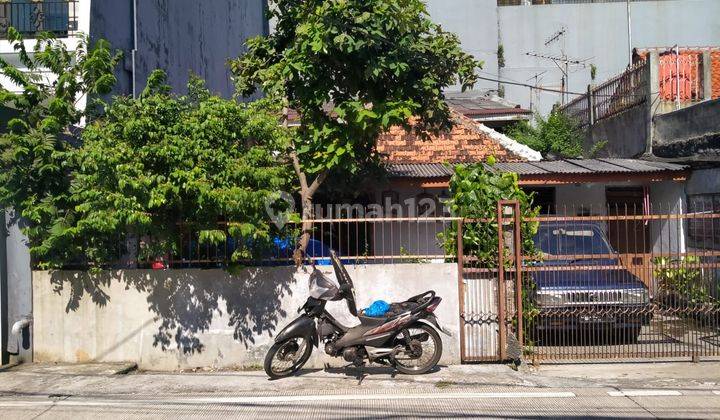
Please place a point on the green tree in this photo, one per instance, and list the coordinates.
(554, 136)
(159, 163)
(351, 69)
(35, 156)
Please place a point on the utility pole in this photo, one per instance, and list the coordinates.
(532, 89)
(562, 62)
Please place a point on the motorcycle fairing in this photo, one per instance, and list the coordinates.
(303, 326)
(344, 279)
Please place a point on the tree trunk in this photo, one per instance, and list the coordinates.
(306, 200)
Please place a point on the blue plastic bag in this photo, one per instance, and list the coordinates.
(378, 309)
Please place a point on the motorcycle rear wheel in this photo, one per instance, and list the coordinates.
(417, 366)
(287, 357)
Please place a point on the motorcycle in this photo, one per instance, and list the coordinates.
(406, 337)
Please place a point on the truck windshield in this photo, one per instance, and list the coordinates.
(571, 240)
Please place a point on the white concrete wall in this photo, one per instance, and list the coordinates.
(596, 33)
(574, 199)
(19, 288)
(234, 318)
(668, 235)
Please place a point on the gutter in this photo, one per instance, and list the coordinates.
(133, 53)
(4, 335)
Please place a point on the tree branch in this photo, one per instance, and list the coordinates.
(322, 176)
(298, 171)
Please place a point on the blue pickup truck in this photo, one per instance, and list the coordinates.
(581, 285)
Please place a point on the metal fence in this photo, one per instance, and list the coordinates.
(31, 17)
(356, 240)
(680, 75)
(622, 284)
(622, 92)
(548, 2)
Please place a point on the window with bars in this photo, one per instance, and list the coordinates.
(704, 233)
(33, 16)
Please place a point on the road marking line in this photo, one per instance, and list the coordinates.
(645, 393)
(716, 392)
(292, 398)
(310, 398)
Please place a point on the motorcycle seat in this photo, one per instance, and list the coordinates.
(371, 321)
(397, 308)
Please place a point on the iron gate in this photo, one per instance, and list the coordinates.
(618, 285)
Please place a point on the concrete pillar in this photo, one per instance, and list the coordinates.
(19, 280)
(707, 75)
(4, 327)
(653, 91)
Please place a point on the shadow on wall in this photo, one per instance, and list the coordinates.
(186, 301)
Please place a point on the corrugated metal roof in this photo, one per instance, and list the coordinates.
(548, 167)
(419, 170)
(520, 167)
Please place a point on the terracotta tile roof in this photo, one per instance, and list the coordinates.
(467, 142)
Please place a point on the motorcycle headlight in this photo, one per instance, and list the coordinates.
(549, 298)
(636, 296)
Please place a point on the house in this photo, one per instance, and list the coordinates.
(487, 108)
(571, 187)
(664, 109)
(179, 36)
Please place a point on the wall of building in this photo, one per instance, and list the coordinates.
(625, 134)
(4, 327)
(577, 199)
(595, 32)
(476, 23)
(668, 235)
(226, 320)
(19, 284)
(688, 132)
(704, 181)
(180, 37)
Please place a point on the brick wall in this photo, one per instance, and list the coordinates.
(463, 144)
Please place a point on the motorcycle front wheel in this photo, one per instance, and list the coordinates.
(287, 357)
(423, 352)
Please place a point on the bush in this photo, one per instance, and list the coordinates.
(683, 286)
(474, 193)
(557, 136)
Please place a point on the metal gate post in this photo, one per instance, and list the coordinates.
(501, 285)
(518, 274)
(461, 287)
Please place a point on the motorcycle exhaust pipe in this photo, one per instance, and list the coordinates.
(380, 352)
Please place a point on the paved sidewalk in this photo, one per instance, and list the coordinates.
(600, 390)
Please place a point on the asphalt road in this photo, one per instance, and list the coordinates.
(635, 390)
(494, 402)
